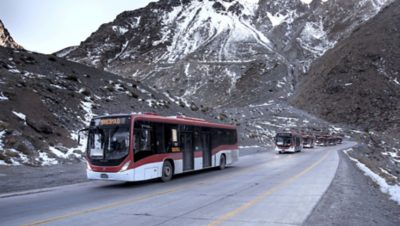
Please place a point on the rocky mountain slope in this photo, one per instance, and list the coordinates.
(5, 38)
(222, 52)
(358, 83)
(45, 99)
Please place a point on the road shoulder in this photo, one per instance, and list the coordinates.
(353, 199)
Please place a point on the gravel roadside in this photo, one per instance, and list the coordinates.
(354, 199)
(21, 178)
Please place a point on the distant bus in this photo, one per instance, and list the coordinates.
(140, 147)
(322, 141)
(288, 142)
(308, 141)
(339, 140)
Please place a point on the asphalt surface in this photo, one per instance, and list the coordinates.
(261, 189)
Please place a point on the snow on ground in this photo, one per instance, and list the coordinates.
(21, 158)
(58, 87)
(87, 106)
(262, 105)
(392, 190)
(199, 23)
(65, 155)
(45, 160)
(252, 146)
(1, 139)
(2, 97)
(276, 19)
(310, 1)
(16, 71)
(119, 30)
(20, 116)
(393, 155)
(314, 38)
(83, 139)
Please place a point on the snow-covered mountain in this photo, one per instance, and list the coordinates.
(5, 38)
(222, 52)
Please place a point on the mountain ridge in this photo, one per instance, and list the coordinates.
(5, 38)
(222, 46)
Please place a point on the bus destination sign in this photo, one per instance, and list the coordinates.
(112, 121)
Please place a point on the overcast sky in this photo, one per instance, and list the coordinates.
(47, 26)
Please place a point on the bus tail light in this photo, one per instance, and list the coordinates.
(125, 166)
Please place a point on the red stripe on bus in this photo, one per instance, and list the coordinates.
(157, 158)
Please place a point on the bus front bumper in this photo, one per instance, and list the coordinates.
(128, 175)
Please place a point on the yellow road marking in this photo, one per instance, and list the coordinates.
(108, 206)
(267, 193)
(144, 197)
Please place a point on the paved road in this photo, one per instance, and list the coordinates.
(261, 189)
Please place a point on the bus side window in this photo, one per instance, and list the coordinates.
(143, 132)
(171, 138)
(143, 140)
(197, 141)
(159, 138)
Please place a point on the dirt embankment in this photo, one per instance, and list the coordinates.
(357, 83)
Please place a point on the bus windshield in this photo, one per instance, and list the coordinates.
(108, 143)
(283, 140)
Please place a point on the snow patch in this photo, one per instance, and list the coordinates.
(314, 38)
(57, 86)
(45, 160)
(16, 161)
(87, 106)
(20, 116)
(251, 146)
(1, 139)
(306, 1)
(119, 30)
(2, 97)
(392, 190)
(262, 105)
(276, 19)
(65, 155)
(16, 71)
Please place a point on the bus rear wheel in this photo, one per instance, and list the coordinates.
(222, 162)
(167, 171)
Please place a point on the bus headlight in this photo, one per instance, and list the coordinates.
(125, 166)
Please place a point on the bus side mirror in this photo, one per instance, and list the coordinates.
(79, 134)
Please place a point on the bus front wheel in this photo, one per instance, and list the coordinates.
(167, 171)
(222, 162)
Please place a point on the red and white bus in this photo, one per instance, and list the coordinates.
(308, 141)
(288, 142)
(140, 147)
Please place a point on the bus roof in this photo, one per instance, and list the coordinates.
(289, 133)
(170, 119)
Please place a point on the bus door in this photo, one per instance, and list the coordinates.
(205, 138)
(187, 149)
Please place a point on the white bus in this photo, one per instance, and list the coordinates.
(140, 147)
